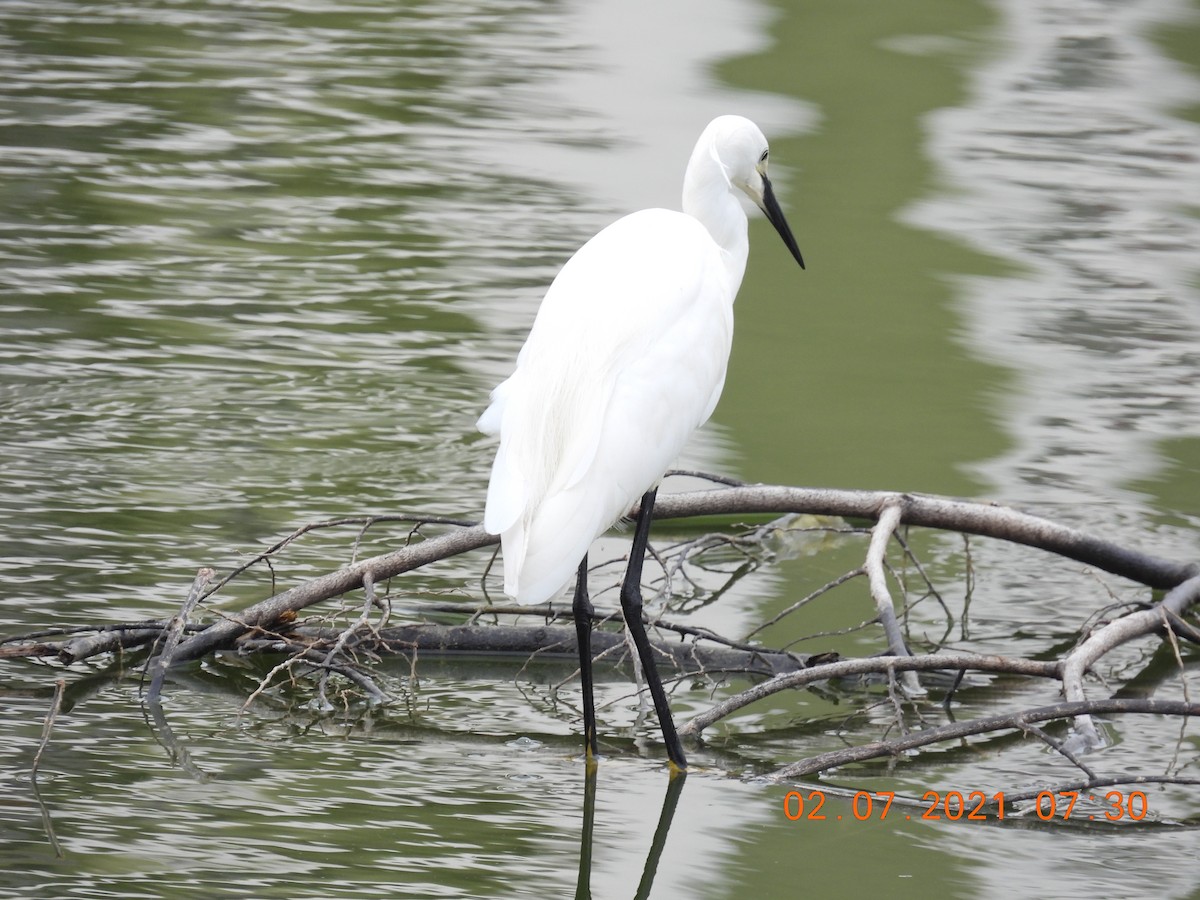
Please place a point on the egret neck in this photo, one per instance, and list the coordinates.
(711, 198)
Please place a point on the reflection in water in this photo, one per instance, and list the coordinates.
(47, 820)
(260, 265)
(670, 800)
(332, 806)
(583, 885)
(177, 751)
(1067, 162)
(675, 783)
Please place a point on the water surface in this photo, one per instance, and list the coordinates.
(261, 264)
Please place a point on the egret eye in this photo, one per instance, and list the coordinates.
(762, 159)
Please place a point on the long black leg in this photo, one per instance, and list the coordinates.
(581, 608)
(631, 607)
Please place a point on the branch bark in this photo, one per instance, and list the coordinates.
(264, 614)
(885, 609)
(985, 519)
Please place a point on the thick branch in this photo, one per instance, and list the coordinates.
(976, 518)
(334, 584)
(987, 519)
(547, 642)
(881, 536)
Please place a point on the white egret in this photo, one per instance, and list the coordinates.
(626, 359)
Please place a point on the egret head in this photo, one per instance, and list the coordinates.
(740, 149)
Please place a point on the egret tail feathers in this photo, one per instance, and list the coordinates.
(507, 495)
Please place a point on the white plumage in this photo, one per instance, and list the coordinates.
(625, 360)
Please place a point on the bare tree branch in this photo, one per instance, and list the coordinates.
(885, 609)
(879, 665)
(975, 518)
(157, 667)
(222, 634)
(354, 641)
(1120, 631)
(60, 687)
(986, 519)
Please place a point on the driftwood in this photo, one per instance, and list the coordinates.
(346, 651)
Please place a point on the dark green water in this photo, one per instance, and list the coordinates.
(261, 264)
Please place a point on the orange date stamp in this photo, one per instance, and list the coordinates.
(970, 806)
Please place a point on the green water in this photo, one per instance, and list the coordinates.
(861, 354)
(261, 264)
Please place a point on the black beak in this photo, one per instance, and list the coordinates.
(770, 206)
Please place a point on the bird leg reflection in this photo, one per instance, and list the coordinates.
(670, 801)
(583, 882)
(583, 889)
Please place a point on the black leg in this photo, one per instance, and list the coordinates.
(582, 610)
(631, 607)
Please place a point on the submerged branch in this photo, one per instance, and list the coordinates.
(958, 730)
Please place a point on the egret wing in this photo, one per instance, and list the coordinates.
(624, 361)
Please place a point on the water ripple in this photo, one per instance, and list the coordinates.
(1068, 162)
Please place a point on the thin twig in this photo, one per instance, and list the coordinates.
(329, 661)
(804, 601)
(60, 688)
(172, 633)
(1057, 745)
(872, 665)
